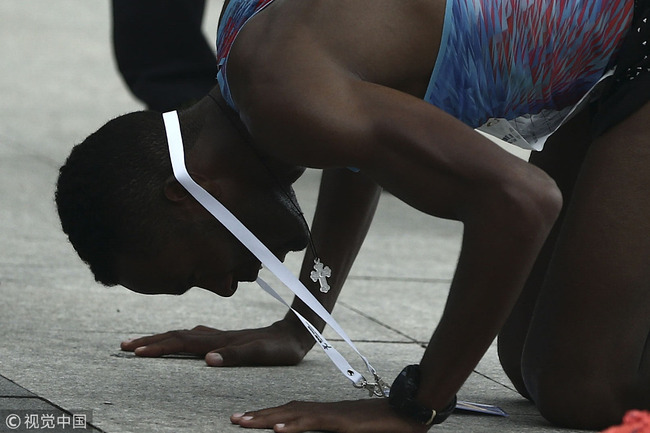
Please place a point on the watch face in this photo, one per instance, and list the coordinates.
(402, 395)
(412, 374)
(402, 398)
(405, 386)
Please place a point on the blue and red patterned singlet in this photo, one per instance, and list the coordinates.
(499, 58)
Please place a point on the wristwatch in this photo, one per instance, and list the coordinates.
(402, 399)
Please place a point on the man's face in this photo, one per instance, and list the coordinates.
(209, 257)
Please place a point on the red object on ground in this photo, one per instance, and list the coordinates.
(634, 421)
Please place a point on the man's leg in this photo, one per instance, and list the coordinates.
(161, 52)
(561, 159)
(586, 356)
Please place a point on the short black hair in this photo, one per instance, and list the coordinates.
(110, 191)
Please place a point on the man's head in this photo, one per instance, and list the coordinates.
(134, 225)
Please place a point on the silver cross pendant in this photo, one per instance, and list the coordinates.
(320, 275)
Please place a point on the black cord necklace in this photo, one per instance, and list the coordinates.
(320, 272)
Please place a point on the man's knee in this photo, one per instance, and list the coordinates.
(577, 398)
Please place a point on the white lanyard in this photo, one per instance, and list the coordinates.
(270, 261)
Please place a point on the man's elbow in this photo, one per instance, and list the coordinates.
(526, 207)
(536, 205)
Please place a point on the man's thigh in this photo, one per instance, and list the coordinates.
(584, 359)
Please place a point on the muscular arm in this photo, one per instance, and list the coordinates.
(329, 118)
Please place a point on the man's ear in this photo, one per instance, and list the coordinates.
(176, 192)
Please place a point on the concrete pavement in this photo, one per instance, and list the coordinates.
(59, 352)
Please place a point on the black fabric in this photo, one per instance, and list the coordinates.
(161, 51)
(629, 89)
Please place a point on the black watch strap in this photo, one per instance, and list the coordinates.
(402, 399)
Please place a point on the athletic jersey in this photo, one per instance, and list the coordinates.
(529, 58)
(233, 20)
(500, 58)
